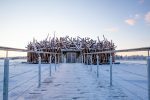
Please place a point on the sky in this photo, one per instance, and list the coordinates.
(126, 22)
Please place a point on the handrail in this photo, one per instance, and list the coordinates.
(123, 50)
(23, 50)
(12, 49)
(110, 51)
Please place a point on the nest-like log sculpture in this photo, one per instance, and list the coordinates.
(64, 45)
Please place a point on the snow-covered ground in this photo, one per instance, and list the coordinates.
(22, 77)
(77, 81)
(130, 77)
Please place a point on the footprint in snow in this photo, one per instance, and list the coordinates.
(57, 85)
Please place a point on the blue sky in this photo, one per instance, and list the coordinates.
(126, 22)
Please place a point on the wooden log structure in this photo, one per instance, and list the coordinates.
(77, 45)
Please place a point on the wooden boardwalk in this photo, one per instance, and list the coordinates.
(74, 82)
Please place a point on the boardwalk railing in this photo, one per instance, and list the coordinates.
(6, 65)
(147, 49)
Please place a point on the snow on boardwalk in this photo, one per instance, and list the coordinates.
(75, 82)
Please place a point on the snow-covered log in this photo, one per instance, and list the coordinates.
(64, 45)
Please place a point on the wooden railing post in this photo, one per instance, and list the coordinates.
(110, 69)
(55, 62)
(39, 73)
(148, 74)
(97, 65)
(6, 79)
(50, 61)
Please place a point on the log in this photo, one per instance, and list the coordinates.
(83, 45)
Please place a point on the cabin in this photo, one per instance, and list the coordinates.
(70, 50)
